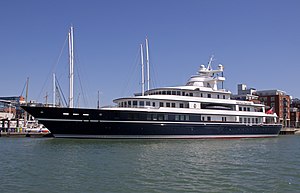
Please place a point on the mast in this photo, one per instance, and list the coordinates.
(26, 101)
(143, 73)
(148, 65)
(98, 102)
(54, 90)
(71, 61)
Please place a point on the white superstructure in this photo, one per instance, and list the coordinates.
(202, 96)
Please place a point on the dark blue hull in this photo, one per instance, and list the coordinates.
(94, 123)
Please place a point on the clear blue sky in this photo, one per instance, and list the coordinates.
(257, 41)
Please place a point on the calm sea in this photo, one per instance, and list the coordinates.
(65, 165)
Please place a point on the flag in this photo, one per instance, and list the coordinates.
(270, 111)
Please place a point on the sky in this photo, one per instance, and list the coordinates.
(257, 42)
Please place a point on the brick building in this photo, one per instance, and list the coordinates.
(295, 113)
(279, 102)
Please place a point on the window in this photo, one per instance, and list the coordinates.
(168, 105)
(174, 92)
(191, 94)
(187, 117)
(241, 120)
(245, 109)
(129, 103)
(168, 92)
(153, 104)
(218, 96)
(148, 117)
(248, 108)
(201, 94)
(65, 113)
(134, 103)
(161, 104)
(154, 117)
(142, 103)
(181, 117)
(164, 92)
(181, 105)
(240, 109)
(165, 117)
(148, 103)
(178, 93)
(160, 117)
(272, 99)
(208, 95)
(183, 93)
(173, 105)
(208, 118)
(223, 96)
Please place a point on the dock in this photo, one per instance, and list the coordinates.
(288, 131)
(25, 134)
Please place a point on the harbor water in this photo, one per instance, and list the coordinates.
(74, 165)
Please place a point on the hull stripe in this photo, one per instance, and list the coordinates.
(150, 122)
(161, 136)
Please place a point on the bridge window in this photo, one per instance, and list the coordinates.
(161, 104)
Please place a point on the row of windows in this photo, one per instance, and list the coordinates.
(244, 108)
(250, 120)
(158, 117)
(153, 104)
(179, 93)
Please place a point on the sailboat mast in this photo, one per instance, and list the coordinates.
(148, 65)
(54, 90)
(143, 73)
(26, 101)
(98, 102)
(71, 61)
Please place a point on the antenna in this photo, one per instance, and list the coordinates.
(210, 62)
(143, 73)
(148, 64)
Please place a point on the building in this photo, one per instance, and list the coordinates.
(295, 113)
(12, 105)
(245, 94)
(279, 102)
(295, 117)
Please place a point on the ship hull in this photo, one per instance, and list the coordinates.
(113, 124)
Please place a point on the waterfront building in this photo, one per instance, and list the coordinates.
(295, 117)
(245, 94)
(279, 103)
(295, 113)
